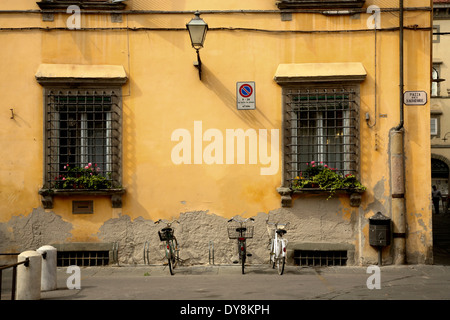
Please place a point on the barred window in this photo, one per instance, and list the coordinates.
(83, 128)
(434, 126)
(322, 126)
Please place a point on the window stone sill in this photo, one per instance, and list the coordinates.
(48, 194)
(286, 194)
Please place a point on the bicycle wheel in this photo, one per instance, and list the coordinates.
(273, 254)
(280, 265)
(242, 255)
(169, 255)
(280, 257)
(170, 266)
(175, 253)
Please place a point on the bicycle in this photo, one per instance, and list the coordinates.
(171, 249)
(277, 245)
(241, 233)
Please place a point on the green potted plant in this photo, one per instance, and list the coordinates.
(321, 176)
(89, 177)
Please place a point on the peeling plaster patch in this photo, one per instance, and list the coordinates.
(378, 189)
(347, 213)
(416, 214)
(129, 236)
(197, 232)
(194, 233)
(378, 194)
(316, 221)
(381, 203)
(310, 220)
(422, 246)
(420, 235)
(33, 231)
(422, 223)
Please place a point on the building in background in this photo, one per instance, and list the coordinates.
(111, 121)
(439, 124)
(440, 130)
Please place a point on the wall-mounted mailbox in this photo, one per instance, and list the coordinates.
(379, 230)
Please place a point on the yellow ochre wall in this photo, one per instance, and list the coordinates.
(163, 93)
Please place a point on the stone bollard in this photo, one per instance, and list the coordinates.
(29, 278)
(48, 277)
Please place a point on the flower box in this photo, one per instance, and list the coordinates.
(318, 178)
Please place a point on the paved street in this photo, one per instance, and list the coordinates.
(193, 289)
(225, 282)
(259, 283)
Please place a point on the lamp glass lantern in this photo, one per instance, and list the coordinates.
(197, 31)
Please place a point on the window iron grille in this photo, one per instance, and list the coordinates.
(82, 127)
(82, 258)
(322, 126)
(317, 258)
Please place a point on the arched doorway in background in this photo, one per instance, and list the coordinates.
(440, 177)
(441, 223)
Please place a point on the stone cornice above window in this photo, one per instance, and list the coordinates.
(319, 4)
(295, 73)
(83, 4)
(74, 74)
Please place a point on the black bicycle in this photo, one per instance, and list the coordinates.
(241, 232)
(171, 248)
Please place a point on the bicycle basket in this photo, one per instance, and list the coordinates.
(234, 232)
(165, 235)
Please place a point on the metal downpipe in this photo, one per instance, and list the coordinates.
(397, 164)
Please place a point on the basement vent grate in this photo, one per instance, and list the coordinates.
(82, 258)
(317, 258)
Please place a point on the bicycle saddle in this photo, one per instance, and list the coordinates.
(281, 231)
(240, 229)
(166, 229)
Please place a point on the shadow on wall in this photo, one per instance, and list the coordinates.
(252, 118)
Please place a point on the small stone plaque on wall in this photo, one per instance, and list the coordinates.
(83, 207)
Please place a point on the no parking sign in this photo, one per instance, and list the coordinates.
(245, 95)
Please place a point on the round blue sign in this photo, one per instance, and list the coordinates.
(246, 90)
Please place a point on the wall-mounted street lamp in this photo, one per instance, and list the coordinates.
(197, 31)
(445, 136)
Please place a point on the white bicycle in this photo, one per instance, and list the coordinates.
(278, 245)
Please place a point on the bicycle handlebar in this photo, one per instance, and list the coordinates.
(276, 224)
(241, 221)
(167, 223)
